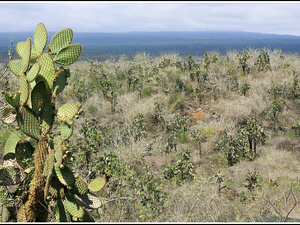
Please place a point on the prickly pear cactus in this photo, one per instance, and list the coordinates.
(32, 109)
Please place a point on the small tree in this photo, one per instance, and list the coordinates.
(252, 180)
(233, 146)
(277, 104)
(201, 135)
(243, 62)
(263, 61)
(255, 133)
(183, 170)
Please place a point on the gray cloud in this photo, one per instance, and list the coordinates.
(265, 17)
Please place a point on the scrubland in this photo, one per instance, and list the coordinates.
(172, 136)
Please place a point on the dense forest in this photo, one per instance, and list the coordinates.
(195, 136)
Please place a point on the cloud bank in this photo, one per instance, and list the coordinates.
(263, 17)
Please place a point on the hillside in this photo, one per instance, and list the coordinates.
(102, 46)
(172, 134)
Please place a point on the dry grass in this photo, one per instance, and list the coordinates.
(199, 201)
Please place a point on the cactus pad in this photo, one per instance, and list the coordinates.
(89, 200)
(11, 143)
(13, 99)
(59, 151)
(26, 55)
(47, 116)
(60, 81)
(67, 110)
(68, 55)
(66, 131)
(60, 40)
(28, 122)
(80, 186)
(24, 87)
(20, 48)
(49, 163)
(38, 95)
(33, 72)
(47, 185)
(15, 66)
(47, 70)
(73, 206)
(65, 175)
(34, 54)
(8, 115)
(97, 184)
(40, 38)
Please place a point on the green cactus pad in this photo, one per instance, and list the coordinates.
(47, 116)
(60, 40)
(59, 151)
(26, 55)
(47, 70)
(8, 116)
(60, 81)
(73, 206)
(65, 175)
(33, 72)
(97, 184)
(4, 214)
(61, 215)
(40, 37)
(38, 95)
(24, 151)
(11, 143)
(13, 99)
(34, 54)
(89, 200)
(67, 110)
(47, 185)
(65, 131)
(20, 48)
(49, 163)
(80, 186)
(15, 66)
(28, 122)
(24, 87)
(68, 55)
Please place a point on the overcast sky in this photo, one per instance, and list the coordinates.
(264, 17)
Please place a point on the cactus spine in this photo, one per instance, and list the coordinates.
(33, 108)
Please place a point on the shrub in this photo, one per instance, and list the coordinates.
(182, 170)
(233, 146)
(243, 62)
(263, 61)
(255, 134)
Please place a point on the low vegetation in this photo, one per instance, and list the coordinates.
(211, 139)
